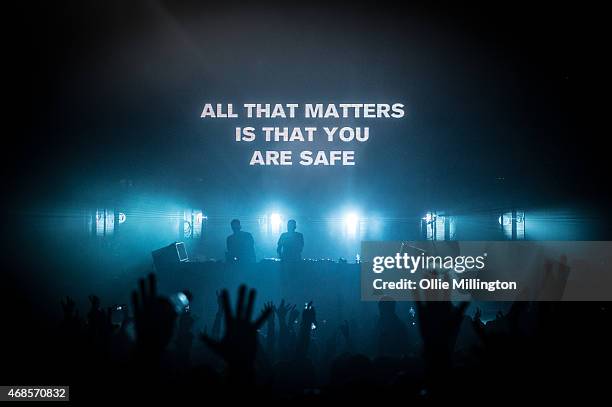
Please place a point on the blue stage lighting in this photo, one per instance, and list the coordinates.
(351, 224)
(276, 221)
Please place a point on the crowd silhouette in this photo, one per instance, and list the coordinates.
(151, 350)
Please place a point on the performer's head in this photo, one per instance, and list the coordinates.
(291, 225)
(236, 225)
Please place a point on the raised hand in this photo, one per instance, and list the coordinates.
(554, 284)
(282, 310)
(269, 308)
(239, 344)
(154, 317)
(216, 328)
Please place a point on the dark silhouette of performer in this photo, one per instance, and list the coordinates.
(240, 245)
(290, 243)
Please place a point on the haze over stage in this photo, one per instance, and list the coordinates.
(491, 118)
(109, 100)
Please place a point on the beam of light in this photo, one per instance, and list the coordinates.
(351, 224)
(276, 221)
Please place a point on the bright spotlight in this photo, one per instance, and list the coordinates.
(276, 221)
(351, 224)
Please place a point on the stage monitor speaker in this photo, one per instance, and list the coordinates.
(169, 256)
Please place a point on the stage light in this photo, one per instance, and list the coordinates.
(198, 221)
(505, 219)
(513, 224)
(351, 224)
(276, 221)
(105, 222)
(192, 223)
(122, 217)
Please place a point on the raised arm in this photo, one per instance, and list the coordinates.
(279, 245)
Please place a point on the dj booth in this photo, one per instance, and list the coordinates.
(332, 286)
